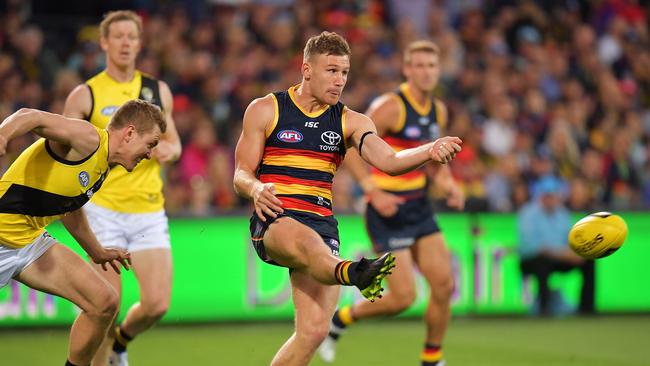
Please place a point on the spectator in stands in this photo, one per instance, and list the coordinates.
(543, 227)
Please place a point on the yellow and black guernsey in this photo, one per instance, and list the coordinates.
(302, 152)
(40, 187)
(144, 184)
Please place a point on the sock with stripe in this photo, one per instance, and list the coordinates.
(431, 355)
(121, 340)
(341, 319)
(345, 273)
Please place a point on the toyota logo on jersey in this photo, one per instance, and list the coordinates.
(290, 136)
(330, 137)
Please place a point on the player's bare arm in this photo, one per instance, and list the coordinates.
(79, 102)
(71, 138)
(77, 224)
(258, 118)
(379, 154)
(169, 148)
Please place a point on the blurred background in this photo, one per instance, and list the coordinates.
(534, 88)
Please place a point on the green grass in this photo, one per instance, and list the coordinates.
(605, 340)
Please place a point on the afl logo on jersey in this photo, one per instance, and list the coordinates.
(412, 132)
(84, 179)
(330, 137)
(108, 111)
(290, 136)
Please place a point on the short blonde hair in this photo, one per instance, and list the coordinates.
(117, 16)
(422, 45)
(139, 113)
(326, 43)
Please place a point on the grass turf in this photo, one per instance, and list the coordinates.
(592, 341)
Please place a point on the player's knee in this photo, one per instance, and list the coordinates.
(106, 304)
(314, 333)
(442, 288)
(155, 309)
(402, 301)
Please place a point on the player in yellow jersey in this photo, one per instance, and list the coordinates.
(290, 146)
(132, 218)
(51, 180)
(399, 215)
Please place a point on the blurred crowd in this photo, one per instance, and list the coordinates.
(533, 87)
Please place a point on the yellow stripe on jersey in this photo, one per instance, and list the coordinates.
(302, 189)
(344, 127)
(314, 114)
(301, 162)
(422, 110)
(276, 116)
(141, 190)
(401, 119)
(399, 184)
(440, 118)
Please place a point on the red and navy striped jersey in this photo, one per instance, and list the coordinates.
(302, 152)
(418, 124)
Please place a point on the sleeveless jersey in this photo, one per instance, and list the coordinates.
(141, 190)
(40, 187)
(417, 125)
(302, 153)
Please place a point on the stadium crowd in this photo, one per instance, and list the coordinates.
(533, 87)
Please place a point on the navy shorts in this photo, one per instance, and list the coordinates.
(325, 226)
(413, 220)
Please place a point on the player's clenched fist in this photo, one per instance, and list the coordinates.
(445, 149)
(265, 200)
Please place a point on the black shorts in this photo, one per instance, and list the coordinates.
(413, 220)
(325, 226)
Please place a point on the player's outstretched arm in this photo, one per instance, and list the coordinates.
(379, 154)
(258, 118)
(78, 134)
(77, 224)
(169, 148)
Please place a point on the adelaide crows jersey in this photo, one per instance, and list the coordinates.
(418, 124)
(40, 187)
(302, 152)
(144, 193)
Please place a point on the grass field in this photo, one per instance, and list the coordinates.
(603, 340)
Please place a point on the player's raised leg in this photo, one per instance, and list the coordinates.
(296, 246)
(314, 303)
(61, 272)
(434, 261)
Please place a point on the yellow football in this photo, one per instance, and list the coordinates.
(597, 235)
